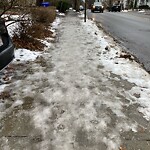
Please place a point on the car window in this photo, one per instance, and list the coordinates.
(97, 3)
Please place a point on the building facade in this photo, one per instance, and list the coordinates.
(135, 3)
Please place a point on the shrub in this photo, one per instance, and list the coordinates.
(38, 30)
(45, 15)
(23, 39)
(28, 33)
(28, 43)
(62, 6)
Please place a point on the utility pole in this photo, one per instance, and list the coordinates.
(85, 11)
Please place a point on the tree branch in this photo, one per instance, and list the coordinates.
(5, 8)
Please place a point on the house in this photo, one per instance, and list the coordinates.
(135, 3)
(143, 2)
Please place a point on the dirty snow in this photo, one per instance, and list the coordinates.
(61, 14)
(141, 11)
(128, 70)
(56, 23)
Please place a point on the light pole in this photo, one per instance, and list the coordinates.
(85, 11)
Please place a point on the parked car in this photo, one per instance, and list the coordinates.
(6, 46)
(115, 8)
(97, 6)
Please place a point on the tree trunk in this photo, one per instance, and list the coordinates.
(76, 5)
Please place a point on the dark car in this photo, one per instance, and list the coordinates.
(97, 7)
(115, 8)
(6, 46)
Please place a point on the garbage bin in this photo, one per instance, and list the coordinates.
(45, 4)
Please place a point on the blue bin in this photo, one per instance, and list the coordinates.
(45, 4)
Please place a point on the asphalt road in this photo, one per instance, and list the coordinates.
(132, 29)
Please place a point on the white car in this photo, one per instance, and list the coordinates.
(97, 6)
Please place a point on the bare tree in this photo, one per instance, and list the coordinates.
(76, 4)
(10, 5)
(6, 5)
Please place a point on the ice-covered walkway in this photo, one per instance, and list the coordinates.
(70, 99)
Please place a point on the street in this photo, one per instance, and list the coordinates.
(131, 29)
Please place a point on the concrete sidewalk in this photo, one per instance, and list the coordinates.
(70, 101)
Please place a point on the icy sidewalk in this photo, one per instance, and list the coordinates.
(84, 94)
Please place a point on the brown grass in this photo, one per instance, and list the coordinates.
(28, 43)
(39, 31)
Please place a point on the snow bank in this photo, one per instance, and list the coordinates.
(128, 69)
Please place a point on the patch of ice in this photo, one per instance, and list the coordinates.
(40, 119)
(17, 103)
(142, 99)
(111, 145)
(2, 87)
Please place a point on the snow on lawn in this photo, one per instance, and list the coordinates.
(25, 55)
(128, 69)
